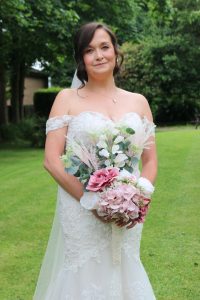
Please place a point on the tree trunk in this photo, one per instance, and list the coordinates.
(3, 106)
(15, 78)
(21, 90)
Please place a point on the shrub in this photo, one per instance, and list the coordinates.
(33, 130)
(43, 101)
(166, 72)
(30, 131)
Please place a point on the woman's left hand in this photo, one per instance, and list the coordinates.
(128, 224)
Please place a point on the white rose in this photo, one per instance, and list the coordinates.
(121, 157)
(118, 139)
(101, 144)
(104, 153)
(89, 200)
(113, 131)
(124, 174)
(115, 149)
(146, 185)
(107, 162)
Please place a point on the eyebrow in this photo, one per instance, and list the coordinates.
(103, 43)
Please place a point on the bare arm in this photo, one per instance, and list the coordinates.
(149, 156)
(54, 147)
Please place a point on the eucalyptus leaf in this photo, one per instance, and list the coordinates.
(130, 130)
(72, 170)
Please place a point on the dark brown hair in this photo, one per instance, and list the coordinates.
(82, 39)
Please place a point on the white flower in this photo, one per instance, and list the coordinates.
(104, 153)
(146, 186)
(112, 130)
(89, 200)
(120, 164)
(107, 162)
(124, 174)
(118, 139)
(101, 144)
(115, 149)
(121, 157)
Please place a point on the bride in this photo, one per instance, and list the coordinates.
(78, 263)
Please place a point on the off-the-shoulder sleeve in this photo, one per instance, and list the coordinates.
(57, 122)
(149, 127)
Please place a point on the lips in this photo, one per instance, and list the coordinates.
(99, 64)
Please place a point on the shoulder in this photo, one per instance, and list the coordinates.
(139, 103)
(143, 103)
(134, 96)
(141, 99)
(62, 102)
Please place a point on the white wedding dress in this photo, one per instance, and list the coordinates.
(78, 264)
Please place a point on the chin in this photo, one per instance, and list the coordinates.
(102, 71)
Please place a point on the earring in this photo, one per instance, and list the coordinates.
(117, 62)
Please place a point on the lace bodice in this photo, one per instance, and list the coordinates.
(91, 120)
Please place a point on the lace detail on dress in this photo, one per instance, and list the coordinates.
(57, 122)
(136, 290)
(85, 237)
(131, 242)
(93, 293)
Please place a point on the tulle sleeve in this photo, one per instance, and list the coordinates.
(57, 122)
(149, 127)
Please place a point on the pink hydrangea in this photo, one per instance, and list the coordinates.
(102, 178)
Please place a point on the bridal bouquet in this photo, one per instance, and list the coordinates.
(104, 162)
(120, 195)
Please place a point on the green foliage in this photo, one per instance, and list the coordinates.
(120, 15)
(163, 37)
(30, 31)
(53, 89)
(165, 70)
(33, 131)
(28, 132)
(43, 101)
(27, 24)
(9, 133)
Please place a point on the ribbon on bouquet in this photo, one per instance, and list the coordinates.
(116, 243)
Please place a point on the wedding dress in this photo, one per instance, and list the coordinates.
(78, 264)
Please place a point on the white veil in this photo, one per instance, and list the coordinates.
(54, 256)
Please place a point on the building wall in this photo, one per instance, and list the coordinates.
(31, 85)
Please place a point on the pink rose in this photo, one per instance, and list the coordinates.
(101, 178)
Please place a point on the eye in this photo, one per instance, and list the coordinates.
(105, 47)
(88, 50)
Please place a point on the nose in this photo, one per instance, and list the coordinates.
(99, 55)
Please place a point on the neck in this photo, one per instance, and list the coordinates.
(104, 85)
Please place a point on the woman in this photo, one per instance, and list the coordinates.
(78, 263)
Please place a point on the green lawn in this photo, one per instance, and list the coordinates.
(170, 245)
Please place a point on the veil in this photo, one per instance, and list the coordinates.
(54, 256)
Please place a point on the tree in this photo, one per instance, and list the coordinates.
(165, 66)
(31, 30)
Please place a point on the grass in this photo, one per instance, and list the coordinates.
(170, 247)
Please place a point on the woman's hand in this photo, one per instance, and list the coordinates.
(129, 224)
(103, 219)
(119, 222)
